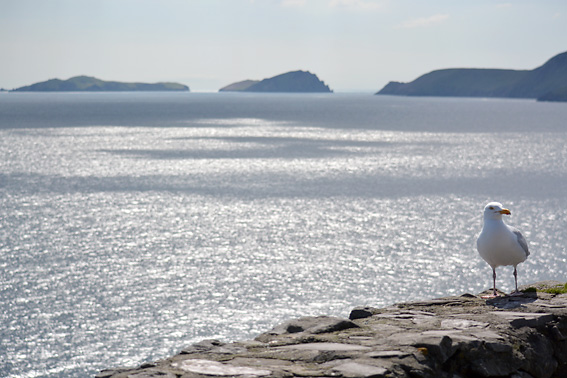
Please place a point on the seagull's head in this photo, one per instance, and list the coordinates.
(495, 210)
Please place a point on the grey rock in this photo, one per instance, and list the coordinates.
(499, 347)
(387, 354)
(539, 360)
(524, 319)
(328, 351)
(464, 336)
(456, 336)
(106, 373)
(487, 336)
(259, 362)
(408, 338)
(495, 365)
(468, 295)
(203, 346)
(214, 346)
(361, 313)
(521, 374)
(484, 359)
(462, 324)
(326, 347)
(439, 302)
(557, 334)
(309, 324)
(152, 374)
(441, 347)
(509, 302)
(215, 368)
(359, 370)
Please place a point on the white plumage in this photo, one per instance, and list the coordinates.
(499, 244)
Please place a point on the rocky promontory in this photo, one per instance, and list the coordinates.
(295, 81)
(521, 336)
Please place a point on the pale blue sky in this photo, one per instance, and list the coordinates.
(353, 45)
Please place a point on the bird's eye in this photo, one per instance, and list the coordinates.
(491, 208)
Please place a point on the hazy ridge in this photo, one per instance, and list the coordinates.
(92, 84)
(546, 83)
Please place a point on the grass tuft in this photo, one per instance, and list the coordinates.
(561, 289)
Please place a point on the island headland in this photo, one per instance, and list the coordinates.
(239, 86)
(92, 84)
(522, 336)
(545, 83)
(294, 81)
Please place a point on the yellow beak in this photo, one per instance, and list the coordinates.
(505, 211)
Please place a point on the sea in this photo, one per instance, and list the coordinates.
(133, 225)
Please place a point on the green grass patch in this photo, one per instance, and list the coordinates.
(561, 289)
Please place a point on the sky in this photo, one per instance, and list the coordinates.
(352, 45)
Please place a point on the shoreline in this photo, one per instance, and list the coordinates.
(521, 335)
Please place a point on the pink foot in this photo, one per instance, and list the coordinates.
(489, 296)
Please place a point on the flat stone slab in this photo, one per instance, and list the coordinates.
(387, 354)
(487, 335)
(217, 369)
(525, 319)
(358, 370)
(552, 305)
(462, 324)
(456, 336)
(152, 374)
(326, 347)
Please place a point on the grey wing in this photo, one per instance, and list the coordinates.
(521, 240)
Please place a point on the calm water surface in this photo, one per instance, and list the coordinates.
(135, 224)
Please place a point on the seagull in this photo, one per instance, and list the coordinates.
(499, 244)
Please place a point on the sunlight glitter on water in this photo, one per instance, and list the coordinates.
(123, 244)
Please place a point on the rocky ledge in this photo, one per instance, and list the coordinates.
(519, 336)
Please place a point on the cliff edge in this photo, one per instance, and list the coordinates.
(521, 335)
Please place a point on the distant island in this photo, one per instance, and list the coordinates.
(239, 86)
(295, 81)
(92, 84)
(545, 83)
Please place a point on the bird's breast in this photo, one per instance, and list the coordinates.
(499, 247)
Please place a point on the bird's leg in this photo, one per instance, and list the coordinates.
(516, 281)
(494, 293)
(494, 281)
